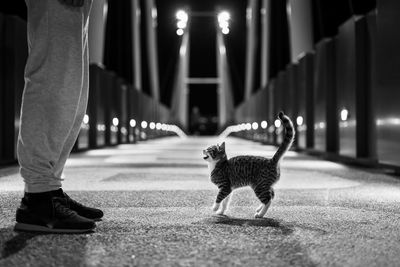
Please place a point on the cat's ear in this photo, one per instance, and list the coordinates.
(222, 146)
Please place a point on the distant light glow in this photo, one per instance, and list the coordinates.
(154, 13)
(86, 119)
(264, 124)
(223, 21)
(180, 32)
(132, 123)
(222, 50)
(299, 120)
(224, 24)
(254, 126)
(344, 114)
(277, 123)
(225, 31)
(144, 124)
(182, 16)
(152, 125)
(224, 16)
(181, 24)
(115, 122)
(124, 131)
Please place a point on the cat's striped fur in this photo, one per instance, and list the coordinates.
(257, 172)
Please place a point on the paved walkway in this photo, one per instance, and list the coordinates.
(157, 198)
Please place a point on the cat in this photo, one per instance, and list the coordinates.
(257, 172)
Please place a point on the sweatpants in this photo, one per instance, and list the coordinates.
(56, 91)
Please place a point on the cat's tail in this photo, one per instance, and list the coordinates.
(289, 137)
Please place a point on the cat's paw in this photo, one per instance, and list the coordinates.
(216, 206)
(220, 212)
(260, 207)
(258, 215)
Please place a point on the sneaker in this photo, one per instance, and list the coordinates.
(87, 212)
(48, 214)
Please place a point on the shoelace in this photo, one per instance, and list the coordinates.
(72, 202)
(61, 209)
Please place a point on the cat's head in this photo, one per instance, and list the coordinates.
(214, 153)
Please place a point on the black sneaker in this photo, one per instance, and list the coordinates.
(48, 214)
(87, 212)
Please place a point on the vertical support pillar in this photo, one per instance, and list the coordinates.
(97, 24)
(225, 97)
(151, 24)
(137, 69)
(252, 30)
(265, 13)
(300, 27)
(180, 105)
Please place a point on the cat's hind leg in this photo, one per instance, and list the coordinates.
(265, 194)
(264, 208)
(224, 205)
(259, 207)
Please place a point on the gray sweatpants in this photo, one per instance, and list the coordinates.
(56, 91)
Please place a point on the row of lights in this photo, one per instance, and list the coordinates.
(182, 20)
(143, 125)
(344, 116)
(223, 21)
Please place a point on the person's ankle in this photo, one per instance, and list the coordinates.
(44, 195)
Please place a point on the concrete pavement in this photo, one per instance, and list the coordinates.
(157, 199)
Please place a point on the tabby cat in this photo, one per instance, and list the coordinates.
(257, 172)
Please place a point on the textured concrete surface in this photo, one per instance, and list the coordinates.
(157, 200)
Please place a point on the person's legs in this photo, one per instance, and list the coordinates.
(81, 108)
(54, 103)
(54, 91)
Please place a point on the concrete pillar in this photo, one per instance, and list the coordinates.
(299, 14)
(252, 16)
(225, 96)
(180, 105)
(97, 24)
(151, 23)
(265, 14)
(137, 68)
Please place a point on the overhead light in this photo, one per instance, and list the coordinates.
(299, 120)
(86, 119)
(254, 126)
(181, 24)
(182, 16)
(344, 114)
(180, 32)
(224, 16)
(144, 124)
(264, 124)
(132, 123)
(277, 123)
(115, 122)
(225, 30)
(152, 125)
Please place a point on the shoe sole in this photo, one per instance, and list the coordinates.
(23, 227)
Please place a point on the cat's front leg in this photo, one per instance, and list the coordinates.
(216, 206)
(262, 210)
(224, 205)
(224, 191)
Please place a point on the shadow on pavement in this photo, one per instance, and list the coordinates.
(16, 243)
(264, 222)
